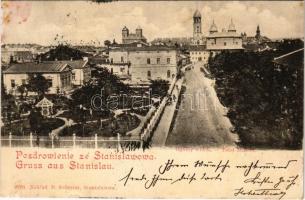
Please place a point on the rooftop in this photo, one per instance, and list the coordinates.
(197, 48)
(224, 34)
(32, 67)
(145, 48)
(75, 64)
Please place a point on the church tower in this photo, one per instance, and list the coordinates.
(197, 29)
(258, 33)
(197, 24)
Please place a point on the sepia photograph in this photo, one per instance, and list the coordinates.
(114, 73)
(152, 99)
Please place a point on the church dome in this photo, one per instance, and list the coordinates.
(125, 28)
(197, 14)
(232, 27)
(213, 28)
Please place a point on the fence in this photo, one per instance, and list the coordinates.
(71, 141)
(129, 142)
(156, 116)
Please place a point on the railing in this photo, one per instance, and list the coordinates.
(96, 141)
(70, 141)
(156, 116)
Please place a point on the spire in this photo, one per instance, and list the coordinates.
(213, 27)
(258, 32)
(197, 14)
(231, 27)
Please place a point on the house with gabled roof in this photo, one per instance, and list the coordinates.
(81, 72)
(58, 74)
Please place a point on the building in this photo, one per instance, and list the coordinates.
(174, 41)
(81, 72)
(128, 37)
(199, 54)
(17, 56)
(146, 63)
(58, 74)
(224, 40)
(257, 39)
(151, 63)
(198, 38)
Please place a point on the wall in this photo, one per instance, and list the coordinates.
(219, 43)
(140, 66)
(56, 81)
(117, 69)
(196, 55)
(81, 76)
(116, 56)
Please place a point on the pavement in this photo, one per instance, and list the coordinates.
(201, 119)
(162, 130)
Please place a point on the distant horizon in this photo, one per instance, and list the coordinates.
(102, 45)
(46, 23)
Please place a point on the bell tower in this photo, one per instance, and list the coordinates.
(197, 24)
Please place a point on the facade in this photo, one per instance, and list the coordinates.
(199, 54)
(198, 38)
(224, 40)
(81, 72)
(59, 75)
(18, 56)
(146, 63)
(153, 63)
(128, 37)
(119, 69)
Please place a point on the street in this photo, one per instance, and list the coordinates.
(200, 119)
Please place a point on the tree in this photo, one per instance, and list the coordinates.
(38, 84)
(105, 81)
(22, 89)
(107, 43)
(62, 52)
(159, 87)
(35, 119)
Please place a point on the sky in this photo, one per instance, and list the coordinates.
(87, 22)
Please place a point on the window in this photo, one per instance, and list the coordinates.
(111, 60)
(199, 59)
(13, 84)
(158, 60)
(225, 44)
(23, 81)
(168, 60)
(122, 59)
(148, 74)
(168, 73)
(122, 69)
(148, 60)
(73, 76)
(111, 71)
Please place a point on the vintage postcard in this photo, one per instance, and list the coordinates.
(152, 99)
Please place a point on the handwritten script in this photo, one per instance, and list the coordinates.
(256, 179)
